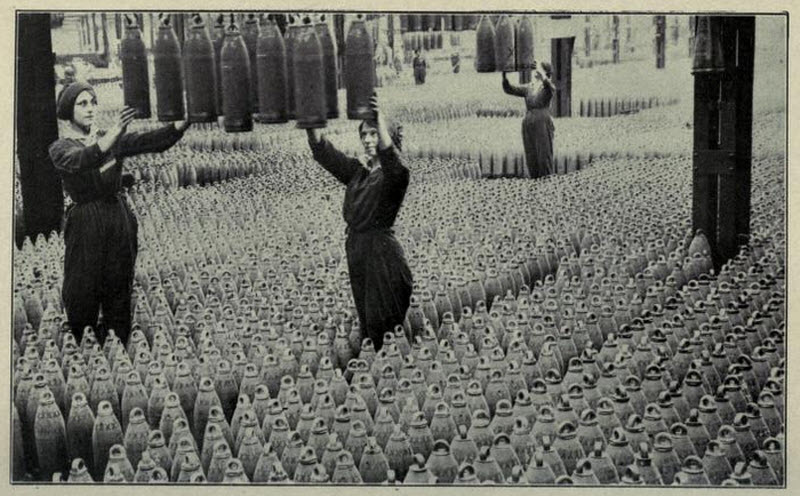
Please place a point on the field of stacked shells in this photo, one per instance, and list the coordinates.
(566, 330)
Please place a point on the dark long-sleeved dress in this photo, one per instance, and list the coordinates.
(420, 69)
(379, 274)
(100, 230)
(537, 126)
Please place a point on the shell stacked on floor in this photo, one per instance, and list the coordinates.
(566, 330)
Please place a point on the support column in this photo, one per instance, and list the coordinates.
(117, 26)
(587, 37)
(95, 36)
(723, 127)
(104, 28)
(339, 36)
(660, 41)
(151, 21)
(36, 126)
(561, 59)
(83, 32)
(178, 24)
(390, 34)
(676, 30)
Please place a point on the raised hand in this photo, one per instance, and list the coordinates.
(125, 117)
(374, 105)
(182, 125)
(384, 139)
(314, 136)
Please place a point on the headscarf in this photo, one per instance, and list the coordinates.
(395, 131)
(67, 97)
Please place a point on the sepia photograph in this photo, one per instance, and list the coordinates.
(402, 247)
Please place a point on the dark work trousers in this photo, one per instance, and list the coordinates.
(381, 281)
(538, 132)
(101, 247)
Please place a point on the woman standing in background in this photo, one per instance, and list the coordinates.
(420, 67)
(538, 129)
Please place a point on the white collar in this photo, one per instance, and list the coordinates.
(365, 163)
(69, 131)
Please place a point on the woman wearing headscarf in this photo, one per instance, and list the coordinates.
(100, 230)
(376, 186)
(537, 125)
(420, 66)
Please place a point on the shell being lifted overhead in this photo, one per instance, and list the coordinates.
(309, 77)
(168, 65)
(290, 37)
(135, 80)
(217, 40)
(200, 74)
(235, 68)
(272, 75)
(524, 43)
(331, 65)
(359, 70)
(485, 46)
(251, 31)
(504, 51)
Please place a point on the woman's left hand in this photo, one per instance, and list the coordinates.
(384, 140)
(182, 125)
(538, 75)
(375, 106)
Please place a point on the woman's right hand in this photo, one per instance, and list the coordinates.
(314, 136)
(125, 117)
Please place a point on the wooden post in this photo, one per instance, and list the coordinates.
(390, 35)
(104, 29)
(723, 126)
(615, 39)
(151, 21)
(79, 32)
(660, 41)
(117, 26)
(526, 75)
(628, 31)
(36, 125)
(587, 37)
(83, 32)
(281, 21)
(94, 33)
(339, 35)
(561, 59)
(676, 31)
(89, 37)
(178, 24)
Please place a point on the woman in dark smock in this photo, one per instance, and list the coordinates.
(420, 66)
(537, 126)
(100, 230)
(376, 185)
